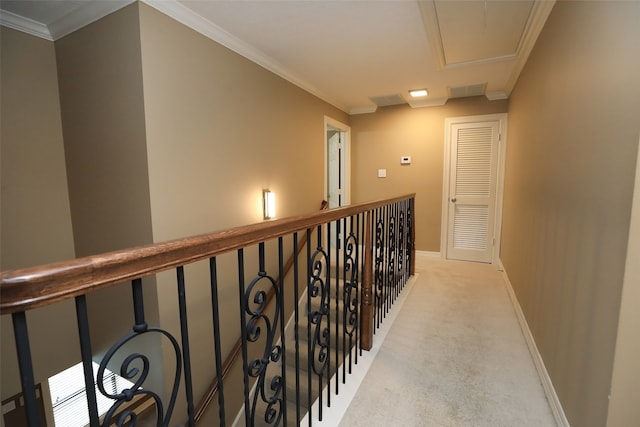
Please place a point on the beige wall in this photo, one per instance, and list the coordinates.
(625, 388)
(169, 134)
(571, 158)
(216, 129)
(381, 138)
(100, 75)
(36, 223)
(220, 129)
(100, 80)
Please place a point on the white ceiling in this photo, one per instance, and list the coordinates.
(348, 52)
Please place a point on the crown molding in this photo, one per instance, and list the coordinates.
(432, 28)
(77, 18)
(537, 19)
(363, 110)
(29, 26)
(84, 15)
(496, 95)
(184, 15)
(428, 102)
(92, 11)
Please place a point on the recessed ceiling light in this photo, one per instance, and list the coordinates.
(418, 93)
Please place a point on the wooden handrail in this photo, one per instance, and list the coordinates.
(29, 288)
(234, 355)
(39, 286)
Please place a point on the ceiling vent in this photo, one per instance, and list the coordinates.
(465, 91)
(387, 100)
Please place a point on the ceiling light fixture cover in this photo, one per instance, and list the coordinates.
(418, 93)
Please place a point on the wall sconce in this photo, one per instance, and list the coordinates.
(269, 204)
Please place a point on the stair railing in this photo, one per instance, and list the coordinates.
(373, 260)
(235, 353)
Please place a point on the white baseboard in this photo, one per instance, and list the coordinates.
(428, 254)
(549, 390)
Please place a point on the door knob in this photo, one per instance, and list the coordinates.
(454, 199)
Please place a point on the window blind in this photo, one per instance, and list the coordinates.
(69, 396)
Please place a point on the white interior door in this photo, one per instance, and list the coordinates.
(472, 193)
(335, 193)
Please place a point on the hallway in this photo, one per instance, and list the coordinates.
(454, 356)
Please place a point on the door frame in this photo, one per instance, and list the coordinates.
(502, 149)
(329, 124)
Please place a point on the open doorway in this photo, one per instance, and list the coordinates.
(337, 166)
(337, 163)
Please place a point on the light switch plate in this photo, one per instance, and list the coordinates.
(405, 160)
(382, 173)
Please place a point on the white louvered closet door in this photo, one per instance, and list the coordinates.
(472, 191)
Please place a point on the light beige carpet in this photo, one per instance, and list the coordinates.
(454, 356)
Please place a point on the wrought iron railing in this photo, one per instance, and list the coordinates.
(296, 350)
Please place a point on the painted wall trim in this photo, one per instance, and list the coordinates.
(363, 110)
(496, 95)
(186, 16)
(81, 16)
(346, 129)
(428, 103)
(502, 119)
(428, 254)
(539, 14)
(545, 379)
(29, 26)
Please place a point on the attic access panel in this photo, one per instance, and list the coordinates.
(481, 30)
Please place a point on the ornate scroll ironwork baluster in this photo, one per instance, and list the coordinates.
(318, 324)
(254, 319)
(361, 248)
(135, 374)
(350, 295)
(391, 258)
(402, 250)
(410, 237)
(335, 340)
(379, 266)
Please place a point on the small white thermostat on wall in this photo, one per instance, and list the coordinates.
(405, 160)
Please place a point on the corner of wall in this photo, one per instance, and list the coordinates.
(625, 382)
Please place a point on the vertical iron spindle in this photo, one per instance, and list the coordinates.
(243, 335)
(296, 321)
(309, 351)
(25, 365)
(184, 331)
(280, 302)
(87, 358)
(138, 306)
(213, 278)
